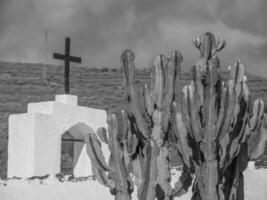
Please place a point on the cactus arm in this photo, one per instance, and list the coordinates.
(102, 134)
(237, 73)
(258, 128)
(163, 187)
(234, 189)
(228, 111)
(171, 70)
(158, 80)
(123, 127)
(127, 60)
(186, 109)
(128, 66)
(247, 98)
(257, 114)
(169, 86)
(148, 99)
(119, 171)
(222, 109)
(138, 164)
(230, 143)
(131, 143)
(208, 171)
(93, 148)
(178, 77)
(149, 172)
(220, 44)
(193, 109)
(182, 138)
(208, 45)
(157, 132)
(143, 103)
(129, 140)
(224, 134)
(102, 177)
(182, 185)
(209, 106)
(236, 88)
(261, 141)
(239, 128)
(197, 74)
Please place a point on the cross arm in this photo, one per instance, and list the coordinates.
(75, 59)
(69, 58)
(59, 56)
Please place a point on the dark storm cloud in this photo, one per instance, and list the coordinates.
(101, 29)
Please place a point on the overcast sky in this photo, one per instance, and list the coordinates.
(101, 29)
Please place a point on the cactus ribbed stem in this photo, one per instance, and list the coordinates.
(219, 126)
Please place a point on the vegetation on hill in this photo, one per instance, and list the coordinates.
(96, 87)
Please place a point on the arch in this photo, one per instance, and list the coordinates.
(72, 160)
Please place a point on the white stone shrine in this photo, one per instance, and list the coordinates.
(34, 145)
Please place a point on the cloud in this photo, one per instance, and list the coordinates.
(101, 29)
(178, 34)
(247, 15)
(241, 9)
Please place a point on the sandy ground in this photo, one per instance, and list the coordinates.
(255, 188)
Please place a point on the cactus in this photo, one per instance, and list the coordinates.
(139, 138)
(114, 175)
(210, 123)
(150, 116)
(215, 126)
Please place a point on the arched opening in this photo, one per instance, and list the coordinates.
(74, 159)
(67, 153)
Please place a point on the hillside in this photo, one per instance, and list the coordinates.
(95, 87)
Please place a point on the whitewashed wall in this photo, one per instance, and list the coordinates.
(34, 146)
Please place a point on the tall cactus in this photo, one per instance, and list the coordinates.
(215, 125)
(115, 174)
(211, 123)
(139, 138)
(150, 117)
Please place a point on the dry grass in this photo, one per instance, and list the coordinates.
(95, 87)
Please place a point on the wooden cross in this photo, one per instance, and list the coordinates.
(67, 58)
